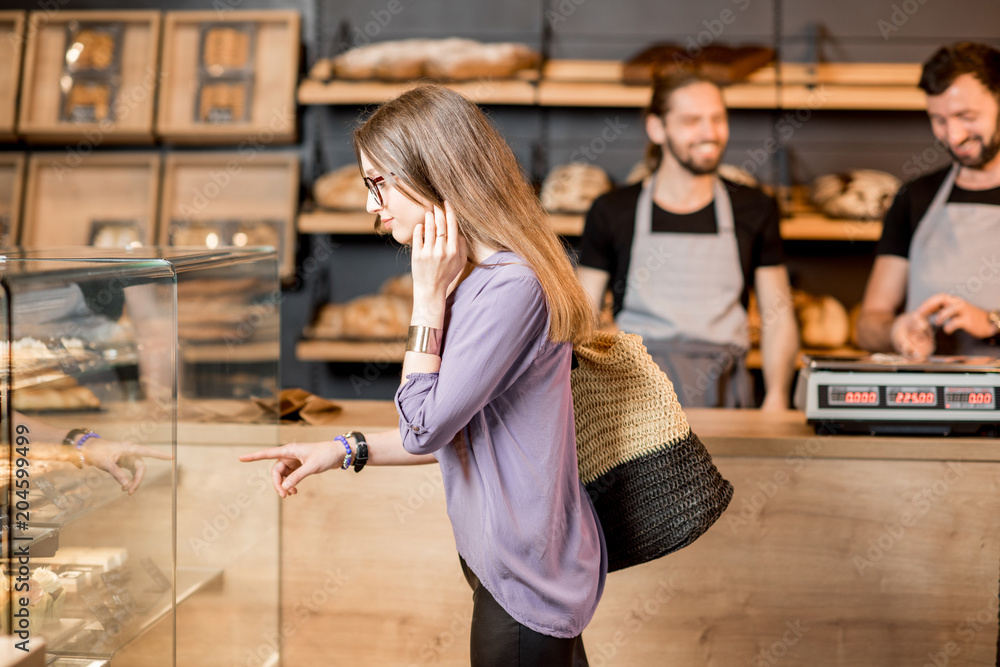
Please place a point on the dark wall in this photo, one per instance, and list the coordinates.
(801, 30)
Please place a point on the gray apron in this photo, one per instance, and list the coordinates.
(955, 250)
(682, 296)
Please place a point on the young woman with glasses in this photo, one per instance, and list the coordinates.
(485, 389)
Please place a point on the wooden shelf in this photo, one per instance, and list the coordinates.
(818, 227)
(807, 223)
(598, 83)
(336, 222)
(390, 351)
(486, 91)
(359, 222)
(215, 353)
(842, 86)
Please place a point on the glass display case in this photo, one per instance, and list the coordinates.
(130, 383)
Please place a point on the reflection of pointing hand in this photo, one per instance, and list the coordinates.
(116, 457)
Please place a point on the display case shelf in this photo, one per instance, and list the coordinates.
(79, 642)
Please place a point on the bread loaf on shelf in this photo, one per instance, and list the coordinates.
(342, 189)
(823, 321)
(857, 194)
(720, 62)
(572, 188)
(450, 59)
(383, 316)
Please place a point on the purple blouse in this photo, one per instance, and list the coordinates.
(522, 519)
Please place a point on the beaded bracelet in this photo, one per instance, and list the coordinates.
(347, 457)
(84, 438)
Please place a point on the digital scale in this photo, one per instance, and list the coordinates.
(886, 394)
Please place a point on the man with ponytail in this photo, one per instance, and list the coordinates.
(681, 251)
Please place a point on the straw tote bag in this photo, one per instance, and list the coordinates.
(651, 480)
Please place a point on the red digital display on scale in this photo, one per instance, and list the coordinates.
(927, 397)
(920, 397)
(969, 398)
(851, 396)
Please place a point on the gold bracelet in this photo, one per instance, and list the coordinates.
(424, 339)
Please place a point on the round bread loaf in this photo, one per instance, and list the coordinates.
(373, 316)
(823, 320)
(342, 189)
(573, 187)
(858, 194)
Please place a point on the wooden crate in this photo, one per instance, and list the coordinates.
(65, 196)
(11, 186)
(216, 188)
(11, 47)
(131, 120)
(275, 63)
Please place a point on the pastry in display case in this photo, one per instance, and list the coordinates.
(117, 233)
(113, 556)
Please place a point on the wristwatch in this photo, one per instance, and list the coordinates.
(361, 453)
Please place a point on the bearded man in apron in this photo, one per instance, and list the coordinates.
(940, 246)
(681, 251)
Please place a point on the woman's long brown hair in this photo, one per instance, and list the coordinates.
(440, 146)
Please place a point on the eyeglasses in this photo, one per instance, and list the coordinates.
(373, 188)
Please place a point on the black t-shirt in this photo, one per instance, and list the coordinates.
(912, 202)
(606, 243)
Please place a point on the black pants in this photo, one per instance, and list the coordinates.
(500, 641)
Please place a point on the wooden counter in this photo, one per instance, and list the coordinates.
(743, 433)
(838, 550)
